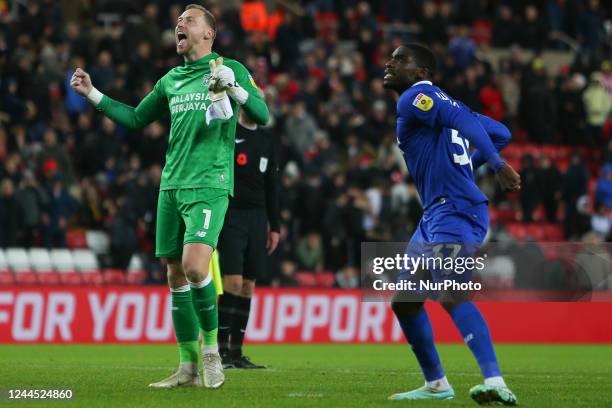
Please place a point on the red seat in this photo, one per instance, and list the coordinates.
(76, 238)
(553, 232)
(7, 278)
(532, 149)
(550, 151)
(536, 232)
(325, 279)
(26, 277)
(136, 277)
(517, 230)
(538, 213)
(505, 215)
(513, 151)
(113, 276)
(48, 278)
(91, 277)
(306, 279)
(564, 151)
(71, 278)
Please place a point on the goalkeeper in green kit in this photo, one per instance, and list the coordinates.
(203, 98)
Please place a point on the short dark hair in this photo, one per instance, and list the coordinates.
(208, 16)
(422, 56)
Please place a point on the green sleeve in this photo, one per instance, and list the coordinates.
(152, 107)
(255, 106)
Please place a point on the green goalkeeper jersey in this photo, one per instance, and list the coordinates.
(198, 155)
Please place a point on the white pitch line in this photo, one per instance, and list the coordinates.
(347, 371)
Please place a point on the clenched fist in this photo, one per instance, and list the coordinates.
(81, 82)
(508, 178)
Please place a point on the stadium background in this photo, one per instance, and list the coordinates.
(78, 192)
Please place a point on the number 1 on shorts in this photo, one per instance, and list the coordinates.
(207, 214)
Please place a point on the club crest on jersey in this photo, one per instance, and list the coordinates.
(205, 80)
(423, 102)
(263, 164)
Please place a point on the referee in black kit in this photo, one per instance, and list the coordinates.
(250, 234)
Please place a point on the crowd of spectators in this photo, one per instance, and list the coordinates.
(320, 62)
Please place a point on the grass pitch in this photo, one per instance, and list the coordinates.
(304, 375)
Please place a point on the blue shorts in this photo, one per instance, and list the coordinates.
(446, 231)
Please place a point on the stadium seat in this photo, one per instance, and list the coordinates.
(136, 274)
(98, 241)
(42, 265)
(513, 151)
(64, 264)
(564, 151)
(517, 230)
(86, 264)
(18, 262)
(114, 276)
(553, 232)
(325, 279)
(306, 279)
(536, 231)
(533, 150)
(553, 152)
(504, 215)
(75, 238)
(538, 213)
(6, 276)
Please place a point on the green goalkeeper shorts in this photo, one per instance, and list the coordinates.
(188, 215)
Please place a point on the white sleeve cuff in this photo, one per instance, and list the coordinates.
(94, 96)
(239, 94)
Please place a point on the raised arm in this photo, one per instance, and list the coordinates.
(151, 108)
(241, 87)
(437, 110)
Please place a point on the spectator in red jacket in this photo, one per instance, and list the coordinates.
(492, 100)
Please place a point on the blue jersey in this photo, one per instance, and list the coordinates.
(435, 133)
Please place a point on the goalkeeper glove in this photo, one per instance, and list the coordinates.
(220, 108)
(222, 78)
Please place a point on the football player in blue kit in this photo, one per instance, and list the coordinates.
(434, 133)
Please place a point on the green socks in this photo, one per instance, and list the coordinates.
(185, 324)
(204, 298)
(190, 303)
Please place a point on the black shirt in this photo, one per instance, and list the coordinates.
(256, 175)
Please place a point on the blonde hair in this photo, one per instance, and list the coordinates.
(208, 16)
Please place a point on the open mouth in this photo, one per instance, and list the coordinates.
(181, 39)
